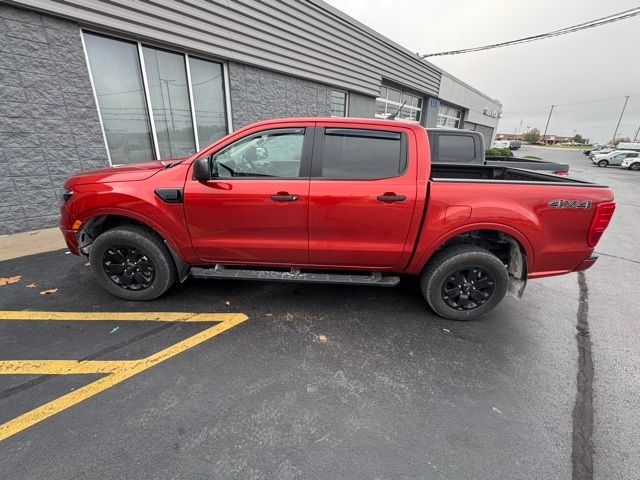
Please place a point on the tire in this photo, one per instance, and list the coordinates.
(140, 254)
(440, 273)
(635, 166)
(603, 163)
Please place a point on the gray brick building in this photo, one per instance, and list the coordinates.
(90, 84)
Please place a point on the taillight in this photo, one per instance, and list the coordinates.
(600, 222)
(564, 173)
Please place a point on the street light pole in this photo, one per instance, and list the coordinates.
(547, 125)
(615, 134)
(636, 137)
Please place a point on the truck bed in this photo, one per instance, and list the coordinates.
(488, 173)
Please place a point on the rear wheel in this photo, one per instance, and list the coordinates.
(603, 163)
(464, 281)
(634, 166)
(131, 262)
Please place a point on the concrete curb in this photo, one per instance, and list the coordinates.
(29, 243)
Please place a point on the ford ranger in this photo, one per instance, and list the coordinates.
(334, 200)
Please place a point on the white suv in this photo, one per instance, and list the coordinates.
(614, 158)
(631, 163)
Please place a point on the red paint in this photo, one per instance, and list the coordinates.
(340, 223)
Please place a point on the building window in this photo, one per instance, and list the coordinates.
(154, 103)
(169, 95)
(117, 79)
(338, 103)
(449, 117)
(391, 100)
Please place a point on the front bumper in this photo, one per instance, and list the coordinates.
(71, 238)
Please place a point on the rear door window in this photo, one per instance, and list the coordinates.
(456, 149)
(363, 154)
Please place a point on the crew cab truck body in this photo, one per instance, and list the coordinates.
(333, 200)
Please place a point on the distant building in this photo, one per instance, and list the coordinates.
(547, 139)
(508, 136)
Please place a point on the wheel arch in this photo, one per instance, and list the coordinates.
(507, 243)
(508, 233)
(100, 222)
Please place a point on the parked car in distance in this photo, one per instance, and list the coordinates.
(335, 200)
(604, 151)
(515, 144)
(595, 148)
(632, 163)
(501, 144)
(628, 146)
(614, 158)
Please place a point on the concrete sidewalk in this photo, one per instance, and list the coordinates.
(29, 243)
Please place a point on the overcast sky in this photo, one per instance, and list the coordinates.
(594, 64)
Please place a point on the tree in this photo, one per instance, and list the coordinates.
(618, 140)
(532, 136)
(577, 138)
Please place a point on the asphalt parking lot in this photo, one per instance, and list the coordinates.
(321, 382)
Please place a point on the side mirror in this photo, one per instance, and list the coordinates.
(262, 153)
(202, 169)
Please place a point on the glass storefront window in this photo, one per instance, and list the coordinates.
(207, 85)
(338, 103)
(169, 94)
(390, 101)
(129, 100)
(117, 79)
(449, 117)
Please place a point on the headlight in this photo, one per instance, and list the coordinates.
(66, 195)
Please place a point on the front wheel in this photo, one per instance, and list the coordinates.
(464, 281)
(635, 166)
(603, 163)
(132, 263)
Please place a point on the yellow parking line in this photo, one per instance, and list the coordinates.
(116, 316)
(121, 371)
(60, 367)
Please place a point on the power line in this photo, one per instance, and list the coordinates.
(563, 31)
(585, 102)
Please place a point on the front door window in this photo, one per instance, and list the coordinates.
(275, 153)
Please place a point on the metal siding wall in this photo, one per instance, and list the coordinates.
(301, 38)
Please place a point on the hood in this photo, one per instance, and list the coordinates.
(123, 173)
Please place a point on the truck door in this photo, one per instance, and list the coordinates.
(255, 209)
(362, 196)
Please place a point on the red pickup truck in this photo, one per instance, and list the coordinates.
(335, 200)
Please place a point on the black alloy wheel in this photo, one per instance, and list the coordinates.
(464, 281)
(635, 166)
(128, 267)
(468, 288)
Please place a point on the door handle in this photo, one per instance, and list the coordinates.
(284, 197)
(391, 197)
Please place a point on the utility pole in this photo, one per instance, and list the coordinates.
(547, 125)
(615, 134)
(636, 137)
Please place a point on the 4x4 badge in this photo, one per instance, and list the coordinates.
(570, 203)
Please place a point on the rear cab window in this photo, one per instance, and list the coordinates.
(353, 153)
(456, 148)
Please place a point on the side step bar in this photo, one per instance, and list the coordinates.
(294, 275)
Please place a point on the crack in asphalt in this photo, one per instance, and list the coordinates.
(582, 445)
(616, 256)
